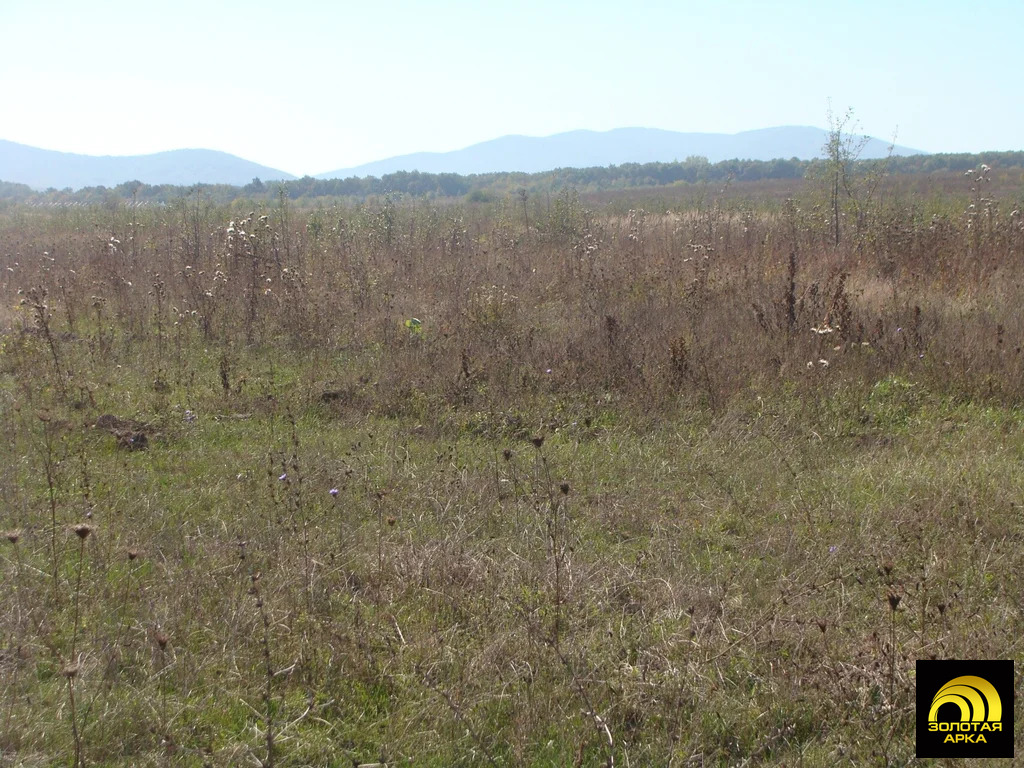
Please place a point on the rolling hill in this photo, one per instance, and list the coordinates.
(44, 168)
(583, 149)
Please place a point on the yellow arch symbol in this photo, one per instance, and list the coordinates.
(971, 694)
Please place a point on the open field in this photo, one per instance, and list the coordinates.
(537, 482)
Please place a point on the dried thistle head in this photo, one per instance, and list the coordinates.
(133, 553)
(894, 600)
(564, 488)
(537, 441)
(12, 536)
(507, 454)
(161, 638)
(71, 670)
(82, 531)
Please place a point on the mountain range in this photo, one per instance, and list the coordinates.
(41, 168)
(44, 168)
(585, 149)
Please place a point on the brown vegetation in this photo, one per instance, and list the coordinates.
(504, 485)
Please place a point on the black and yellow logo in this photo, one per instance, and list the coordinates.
(965, 709)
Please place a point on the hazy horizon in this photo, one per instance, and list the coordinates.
(380, 160)
(328, 86)
(42, 168)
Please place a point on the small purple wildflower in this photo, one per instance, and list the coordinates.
(832, 549)
(334, 492)
(283, 477)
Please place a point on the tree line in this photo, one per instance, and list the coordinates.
(487, 186)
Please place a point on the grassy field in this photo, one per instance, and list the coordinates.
(514, 484)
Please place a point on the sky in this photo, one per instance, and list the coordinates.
(309, 87)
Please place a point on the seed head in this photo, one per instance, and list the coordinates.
(12, 536)
(507, 454)
(133, 554)
(161, 638)
(71, 670)
(564, 488)
(537, 441)
(82, 531)
(894, 600)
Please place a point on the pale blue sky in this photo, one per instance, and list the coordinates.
(309, 86)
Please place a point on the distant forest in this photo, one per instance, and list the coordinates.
(490, 186)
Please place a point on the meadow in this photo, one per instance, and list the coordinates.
(537, 481)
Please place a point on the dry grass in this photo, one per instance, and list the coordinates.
(424, 485)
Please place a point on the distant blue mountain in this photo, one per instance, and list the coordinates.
(584, 149)
(44, 168)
